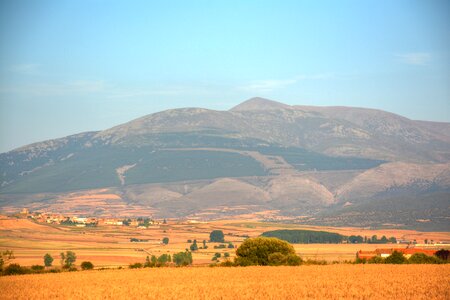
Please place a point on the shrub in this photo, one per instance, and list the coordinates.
(396, 258)
(421, 258)
(182, 258)
(87, 265)
(230, 245)
(165, 240)
(135, 266)
(227, 263)
(15, 269)
(376, 260)
(226, 254)
(264, 251)
(216, 236)
(37, 268)
(276, 259)
(293, 260)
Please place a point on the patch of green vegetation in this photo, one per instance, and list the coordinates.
(304, 160)
(171, 166)
(306, 236)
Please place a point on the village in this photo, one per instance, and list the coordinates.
(74, 220)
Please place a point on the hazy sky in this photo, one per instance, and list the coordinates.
(73, 66)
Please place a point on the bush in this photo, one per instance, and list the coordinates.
(135, 266)
(277, 259)
(182, 258)
(15, 269)
(165, 240)
(376, 260)
(293, 260)
(87, 265)
(216, 236)
(227, 263)
(37, 268)
(226, 254)
(264, 251)
(230, 246)
(396, 258)
(421, 258)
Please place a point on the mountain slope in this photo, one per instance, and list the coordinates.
(261, 154)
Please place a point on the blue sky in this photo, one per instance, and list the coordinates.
(73, 66)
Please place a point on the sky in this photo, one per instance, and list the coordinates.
(73, 66)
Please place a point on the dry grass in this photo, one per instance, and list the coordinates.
(318, 282)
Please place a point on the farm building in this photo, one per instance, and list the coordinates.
(407, 252)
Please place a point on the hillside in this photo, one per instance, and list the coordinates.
(259, 155)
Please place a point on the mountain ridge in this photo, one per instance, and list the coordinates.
(260, 154)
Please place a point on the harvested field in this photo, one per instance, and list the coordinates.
(110, 246)
(318, 282)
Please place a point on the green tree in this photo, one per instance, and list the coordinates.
(165, 240)
(396, 258)
(48, 260)
(355, 239)
(443, 254)
(204, 245)
(87, 265)
(182, 258)
(216, 236)
(68, 258)
(230, 245)
(194, 246)
(154, 259)
(256, 251)
(383, 240)
(163, 259)
(422, 258)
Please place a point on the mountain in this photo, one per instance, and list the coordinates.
(259, 155)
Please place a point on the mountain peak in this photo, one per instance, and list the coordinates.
(257, 103)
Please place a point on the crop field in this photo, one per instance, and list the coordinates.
(304, 282)
(110, 246)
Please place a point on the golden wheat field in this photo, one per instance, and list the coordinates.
(305, 282)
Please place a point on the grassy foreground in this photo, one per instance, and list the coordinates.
(331, 282)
